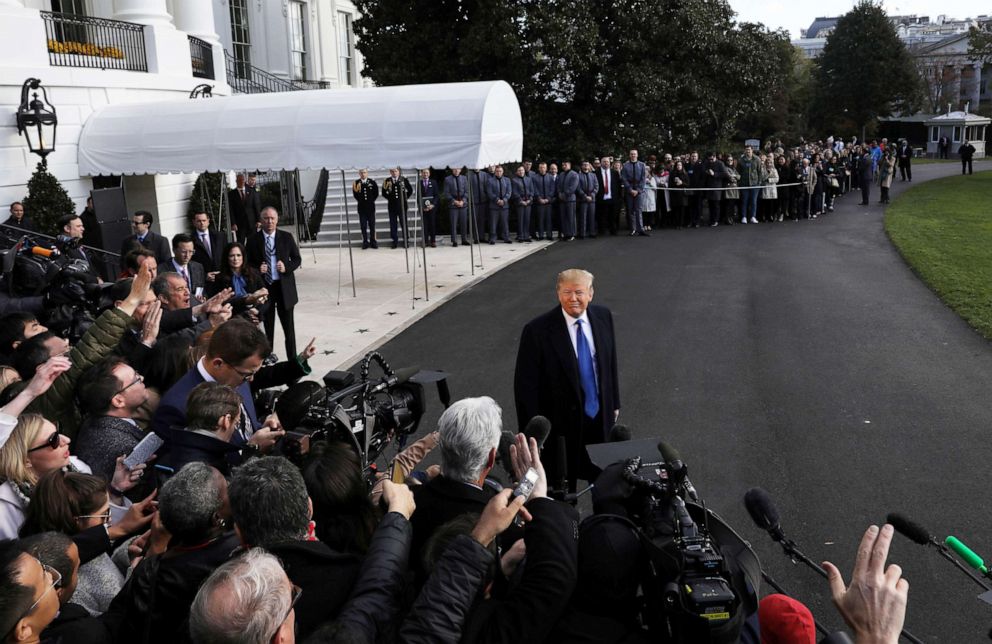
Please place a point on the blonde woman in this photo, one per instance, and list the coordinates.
(769, 194)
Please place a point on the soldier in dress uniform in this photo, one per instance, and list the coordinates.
(555, 205)
(366, 191)
(568, 191)
(544, 194)
(429, 206)
(479, 184)
(397, 190)
(585, 203)
(523, 197)
(500, 192)
(456, 192)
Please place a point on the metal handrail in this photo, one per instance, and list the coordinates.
(101, 43)
(245, 78)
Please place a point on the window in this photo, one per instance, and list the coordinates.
(240, 38)
(298, 39)
(346, 49)
(934, 134)
(74, 7)
(957, 133)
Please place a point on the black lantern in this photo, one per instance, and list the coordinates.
(36, 119)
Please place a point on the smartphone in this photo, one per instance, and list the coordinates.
(143, 451)
(397, 476)
(524, 489)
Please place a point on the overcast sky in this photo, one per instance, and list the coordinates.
(794, 15)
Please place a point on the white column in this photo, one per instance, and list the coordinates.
(196, 18)
(955, 96)
(976, 94)
(143, 12)
(12, 3)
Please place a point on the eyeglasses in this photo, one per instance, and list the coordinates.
(245, 375)
(56, 584)
(295, 597)
(105, 517)
(137, 378)
(53, 441)
(138, 222)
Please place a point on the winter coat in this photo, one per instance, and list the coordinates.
(750, 171)
(102, 439)
(58, 404)
(771, 178)
(715, 180)
(733, 176)
(650, 194)
(886, 170)
(678, 180)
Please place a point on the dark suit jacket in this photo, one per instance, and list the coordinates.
(171, 411)
(197, 276)
(287, 252)
(546, 379)
(429, 194)
(245, 214)
(210, 262)
(438, 501)
(153, 242)
(616, 186)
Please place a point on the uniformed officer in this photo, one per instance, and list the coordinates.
(397, 191)
(585, 208)
(366, 191)
(479, 186)
(500, 192)
(523, 197)
(429, 206)
(568, 190)
(544, 194)
(456, 192)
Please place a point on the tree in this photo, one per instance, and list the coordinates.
(206, 197)
(47, 201)
(980, 43)
(589, 80)
(865, 71)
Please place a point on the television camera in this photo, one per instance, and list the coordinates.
(367, 413)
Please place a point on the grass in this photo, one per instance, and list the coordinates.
(943, 229)
(929, 161)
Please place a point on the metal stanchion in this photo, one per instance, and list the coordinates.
(347, 221)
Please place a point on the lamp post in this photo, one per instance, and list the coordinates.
(36, 119)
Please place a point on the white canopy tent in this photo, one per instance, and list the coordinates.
(413, 126)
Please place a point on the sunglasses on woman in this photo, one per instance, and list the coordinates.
(53, 441)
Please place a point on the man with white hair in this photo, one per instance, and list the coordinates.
(468, 437)
(248, 600)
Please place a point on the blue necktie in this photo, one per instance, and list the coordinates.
(587, 372)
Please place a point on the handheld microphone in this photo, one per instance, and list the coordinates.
(671, 456)
(620, 433)
(506, 438)
(918, 534)
(562, 464)
(398, 378)
(538, 428)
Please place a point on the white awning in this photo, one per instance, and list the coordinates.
(411, 126)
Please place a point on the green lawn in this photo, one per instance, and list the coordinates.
(943, 228)
(929, 161)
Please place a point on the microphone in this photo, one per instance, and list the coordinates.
(506, 438)
(44, 252)
(398, 378)
(671, 456)
(538, 428)
(966, 553)
(620, 433)
(918, 534)
(562, 464)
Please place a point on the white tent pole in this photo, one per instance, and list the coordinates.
(403, 223)
(347, 223)
(469, 223)
(341, 245)
(406, 238)
(423, 237)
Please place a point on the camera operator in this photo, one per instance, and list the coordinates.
(58, 403)
(233, 357)
(69, 240)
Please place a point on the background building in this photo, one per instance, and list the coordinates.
(90, 53)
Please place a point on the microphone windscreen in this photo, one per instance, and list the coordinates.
(668, 453)
(404, 374)
(761, 508)
(506, 439)
(620, 433)
(909, 529)
(538, 428)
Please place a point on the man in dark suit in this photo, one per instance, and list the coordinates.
(608, 197)
(183, 264)
(208, 245)
(366, 191)
(397, 190)
(141, 224)
(245, 206)
(429, 202)
(70, 239)
(277, 256)
(567, 371)
(234, 356)
(905, 155)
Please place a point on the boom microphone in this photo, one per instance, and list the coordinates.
(538, 428)
(918, 534)
(671, 456)
(506, 438)
(966, 553)
(620, 433)
(41, 251)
